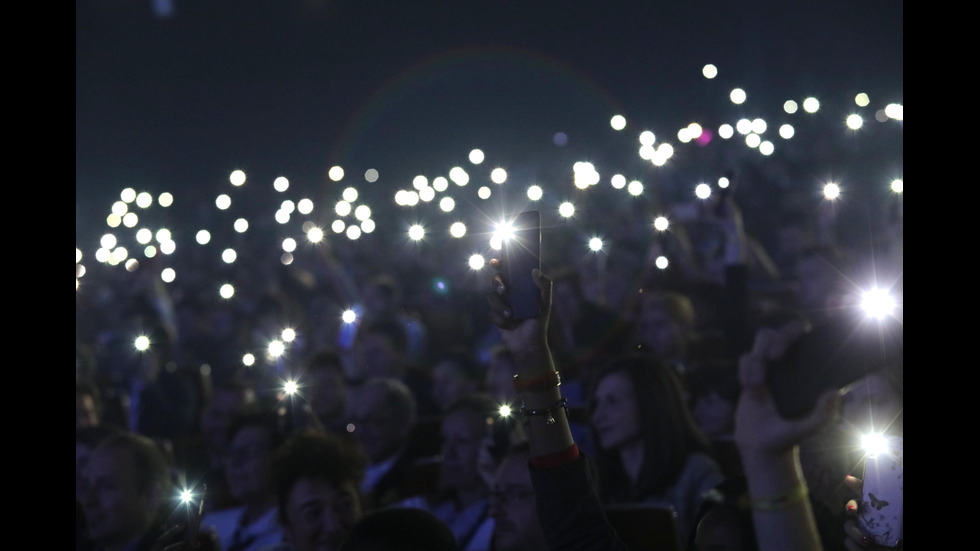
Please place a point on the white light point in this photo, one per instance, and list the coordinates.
(348, 316)
(476, 156)
(336, 173)
(534, 192)
(498, 175)
(416, 232)
(661, 262)
(227, 291)
(617, 122)
(702, 191)
(811, 105)
(476, 261)
(566, 209)
(457, 229)
(280, 184)
(831, 190)
(237, 177)
(661, 223)
(315, 235)
(595, 244)
(737, 96)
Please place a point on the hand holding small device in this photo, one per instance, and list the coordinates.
(880, 513)
(521, 253)
(187, 513)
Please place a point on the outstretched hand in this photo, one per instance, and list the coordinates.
(759, 429)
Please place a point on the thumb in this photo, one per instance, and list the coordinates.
(827, 408)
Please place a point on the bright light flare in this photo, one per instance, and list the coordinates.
(142, 343)
(276, 348)
(280, 184)
(661, 262)
(874, 444)
(229, 256)
(144, 200)
(458, 229)
(709, 71)
(831, 191)
(290, 387)
(498, 175)
(811, 105)
(534, 192)
(241, 225)
(349, 195)
(702, 191)
(348, 316)
(661, 223)
(877, 303)
(737, 96)
(617, 122)
(595, 244)
(476, 156)
(897, 185)
(566, 209)
(504, 410)
(854, 121)
(476, 261)
(336, 173)
(416, 232)
(248, 359)
(226, 291)
(222, 201)
(288, 334)
(315, 235)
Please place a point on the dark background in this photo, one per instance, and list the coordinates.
(174, 96)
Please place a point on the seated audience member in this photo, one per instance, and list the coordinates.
(253, 439)
(461, 501)
(649, 449)
(324, 386)
(714, 393)
(512, 505)
(317, 477)
(127, 493)
(456, 374)
(399, 529)
(86, 439)
(383, 414)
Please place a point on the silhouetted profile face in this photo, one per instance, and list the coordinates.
(320, 514)
(714, 414)
(616, 414)
(513, 507)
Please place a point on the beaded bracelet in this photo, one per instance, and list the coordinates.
(541, 382)
(549, 411)
(783, 501)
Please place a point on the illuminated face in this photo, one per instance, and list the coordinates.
(616, 417)
(248, 463)
(512, 506)
(463, 435)
(116, 511)
(320, 515)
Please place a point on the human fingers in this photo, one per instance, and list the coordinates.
(854, 484)
(752, 365)
(855, 539)
(545, 286)
(824, 411)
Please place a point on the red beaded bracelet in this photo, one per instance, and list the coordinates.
(541, 382)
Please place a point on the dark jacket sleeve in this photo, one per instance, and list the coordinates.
(569, 508)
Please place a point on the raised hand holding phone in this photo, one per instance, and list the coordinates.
(521, 253)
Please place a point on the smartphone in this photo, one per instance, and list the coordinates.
(830, 356)
(521, 254)
(882, 507)
(188, 510)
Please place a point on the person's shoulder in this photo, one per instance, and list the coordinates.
(223, 516)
